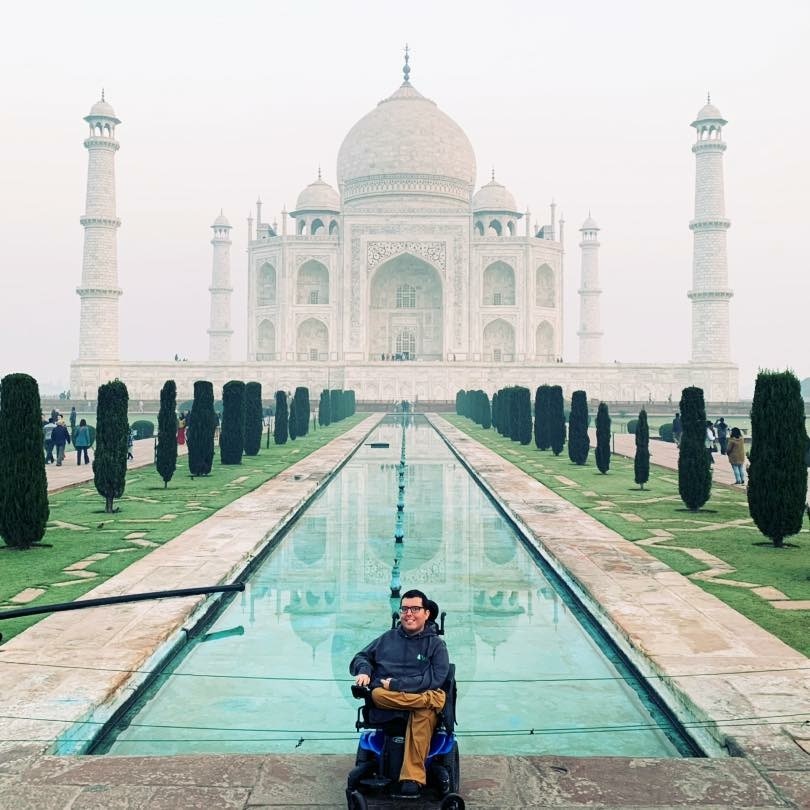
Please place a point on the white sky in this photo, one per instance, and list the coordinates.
(586, 102)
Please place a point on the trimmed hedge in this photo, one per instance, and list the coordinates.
(145, 429)
(694, 460)
(112, 432)
(201, 428)
(166, 451)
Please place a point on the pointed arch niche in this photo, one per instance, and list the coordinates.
(405, 295)
(498, 288)
(544, 342)
(266, 286)
(312, 283)
(499, 341)
(266, 341)
(312, 341)
(545, 292)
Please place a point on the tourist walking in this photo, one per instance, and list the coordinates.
(130, 441)
(60, 437)
(47, 439)
(181, 429)
(711, 441)
(677, 429)
(735, 450)
(721, 430)
(81, 441)
(73, 421)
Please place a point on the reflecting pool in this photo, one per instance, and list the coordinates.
(270, 674)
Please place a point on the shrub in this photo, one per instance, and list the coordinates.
(24, 507)
(280, 431)
(777, 473)
(301, 404)
(542, 438)
(694, 462)
(324, 417)
(201, 428)
(579, 443)
(665, 432)
(556, 419)
(112, 430)
(166, 451)
(253, 418)
(602, 452)
(641, 463)
(232, 432)
(632, 426)
(144, 429)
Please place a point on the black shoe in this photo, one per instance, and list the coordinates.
(360, 692)
(409, 788)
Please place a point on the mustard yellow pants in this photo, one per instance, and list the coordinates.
(423, 708)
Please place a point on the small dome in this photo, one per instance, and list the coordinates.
(708, 112)
(589, 224)
(318, 196)
(494, 197)
(221, 221)
(102, 109)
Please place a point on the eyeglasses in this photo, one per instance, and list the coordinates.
(409, 609)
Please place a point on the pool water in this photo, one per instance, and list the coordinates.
(270, 674)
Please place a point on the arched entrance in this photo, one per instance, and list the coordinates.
(544, 350)
(312, 342)
(405, 310)
(499, 341)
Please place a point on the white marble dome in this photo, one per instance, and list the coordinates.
(406, 144)
(318, 196)
(494, 197)
(102, 109)
(590, 224)
(221, 221)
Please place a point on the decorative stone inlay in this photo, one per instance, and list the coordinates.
(28, 595)
(432, 252)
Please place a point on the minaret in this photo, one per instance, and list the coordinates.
(590, 321)
(220, 331)
(710, 293)
(99, 291)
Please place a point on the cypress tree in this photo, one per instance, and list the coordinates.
(777, 472)
(201, 429)
(324, 417)
(166, 451)
(24, 507)
(694, 462)
(280, 432)
(602, 452)
(495, 411)
(112, 429)
(351, 403)
(334, 405)
(579, 443)
(523, 412)
(459, 398)
(232, 431)
(556, 419)
(292, 422)
(539, 420)
(253, 418)
(301, 400)
(486, 411)
(641, 463)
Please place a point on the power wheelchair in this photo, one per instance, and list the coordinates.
(382, 745)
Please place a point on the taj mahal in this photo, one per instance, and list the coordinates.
(404, 282)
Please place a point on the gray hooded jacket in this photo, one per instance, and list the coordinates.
(414, 663)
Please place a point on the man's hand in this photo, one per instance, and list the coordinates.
(362, 680)
(385, 683)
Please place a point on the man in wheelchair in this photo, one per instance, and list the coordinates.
(404, 669)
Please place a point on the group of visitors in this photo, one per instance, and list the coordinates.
(731, 444)
(56, 437)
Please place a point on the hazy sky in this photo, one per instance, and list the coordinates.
(586, 102)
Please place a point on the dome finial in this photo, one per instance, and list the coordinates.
(708, 98)
(492, 179)
(102, 94)
(406, 70)
(319, 171)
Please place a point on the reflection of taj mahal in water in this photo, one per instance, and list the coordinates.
(405, 261)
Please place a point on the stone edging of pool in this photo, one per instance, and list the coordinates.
(51, 693)
(681, 637)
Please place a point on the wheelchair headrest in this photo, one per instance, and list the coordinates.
(433, 610)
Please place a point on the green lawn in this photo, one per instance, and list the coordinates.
(723, 527)
(78, 526)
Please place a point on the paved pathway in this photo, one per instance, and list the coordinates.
(71, 473)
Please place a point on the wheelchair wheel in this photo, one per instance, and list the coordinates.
(357, 801)
(452, 802)
(454, 769)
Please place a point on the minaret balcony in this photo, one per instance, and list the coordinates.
(105, 222)
(722, 294)
(710, 224)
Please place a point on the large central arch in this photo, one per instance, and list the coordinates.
(405, 300)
